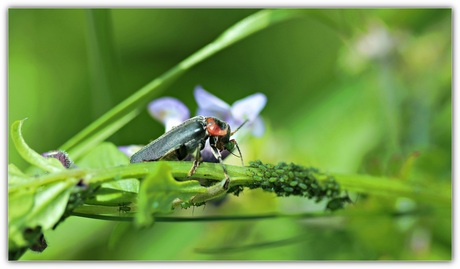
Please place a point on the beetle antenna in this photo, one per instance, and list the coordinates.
(235, 154)
(238, 148)
(239, 128)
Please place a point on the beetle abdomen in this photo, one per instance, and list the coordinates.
(183, 140)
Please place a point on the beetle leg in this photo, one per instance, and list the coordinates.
(196, 162)
(217, 155)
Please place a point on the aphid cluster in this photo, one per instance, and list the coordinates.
(290, 179)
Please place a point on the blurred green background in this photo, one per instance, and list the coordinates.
(349, 91)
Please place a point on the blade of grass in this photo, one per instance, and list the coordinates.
(102, 60)
(248, 26)
(102, 134)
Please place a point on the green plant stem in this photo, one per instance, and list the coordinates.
(79, 212)
(241, 175)
(395, 187)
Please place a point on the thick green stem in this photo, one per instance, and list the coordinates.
(247, 176)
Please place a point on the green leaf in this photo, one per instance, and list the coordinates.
(14, 170)
(116, 192)
(113, 197)
(17, 177)
(103, 155)
(31, 208)
(47, 164)
(158, 191)
(20, 203)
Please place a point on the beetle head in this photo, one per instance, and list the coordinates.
(230, 145)
(220, 131)
(225, 140)
(216, 127)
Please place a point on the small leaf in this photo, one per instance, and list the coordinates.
(50, 165)
(20, 203)
(158, 191)
(103, 155)
(31, 208)
(107, 155)
(126, 185)
(112, 197)
(14, 170)
(17, 177)
(116, 192)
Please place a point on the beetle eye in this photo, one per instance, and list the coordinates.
(222, 125)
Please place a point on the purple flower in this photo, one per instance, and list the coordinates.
(130, 150)
(169, 111)
(247, 108)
